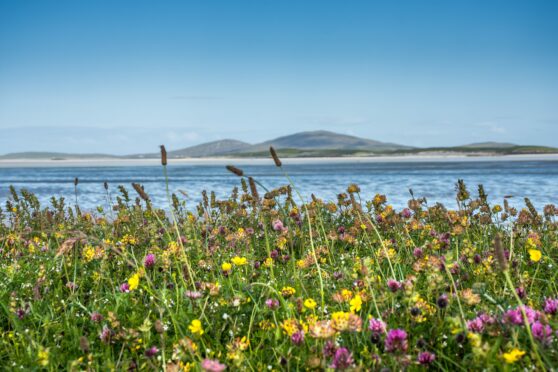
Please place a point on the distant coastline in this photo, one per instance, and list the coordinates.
(113, 162)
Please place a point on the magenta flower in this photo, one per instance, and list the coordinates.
(542, 332)
(426, 358)
(394, 285)
(406, 213)
(377, 326)
(278, 225)
(551, 306)
(329, 349)
(96, 317)
(124, 288)
(475, 325)
(272, 303)
(342, 359)
(106, 334)
(151, 352)
(193, 295)
(211, 365)
(149, 261)
(514, 316)
(396, 340)
(297, 338)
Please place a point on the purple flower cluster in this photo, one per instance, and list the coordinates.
(297, 338)
(515, 316)
(376, 326)
(149, 261)
(396, 340)
(272, 303)
(425, 358)
(542, 332)
(342, 359)
(478, 324)
(551, 306)
(394, 285)
(211, 365)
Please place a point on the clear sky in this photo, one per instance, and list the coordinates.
(125, 76)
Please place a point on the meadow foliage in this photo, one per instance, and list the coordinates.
(265, 280)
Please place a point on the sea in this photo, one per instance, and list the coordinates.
(433, 179)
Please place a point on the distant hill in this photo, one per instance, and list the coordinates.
(304, 144)
(325, 140)
(215, 148)
(489, 145)
(38, 155)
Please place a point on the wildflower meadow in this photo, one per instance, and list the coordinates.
(268, 280)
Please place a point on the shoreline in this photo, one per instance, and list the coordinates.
(111, 162)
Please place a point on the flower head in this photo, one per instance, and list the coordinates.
(211, 365)
(133, 282)
(513, 356)
(551, 306)
(535, 255)
(356, 303)
(149, 261)
(151, 352)
(376, 326)
(342, 359)
(396, 340)
(196, 327)
(426, 358)
(310, 304)
(239, 261)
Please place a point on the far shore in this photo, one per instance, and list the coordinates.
(112, 162)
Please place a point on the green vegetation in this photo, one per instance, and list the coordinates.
(275, 282)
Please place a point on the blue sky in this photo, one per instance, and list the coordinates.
(126, 76)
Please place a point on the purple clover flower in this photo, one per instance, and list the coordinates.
(396, 340)
(211, 365)
(342, 359)
(149, 261)
(425, 358)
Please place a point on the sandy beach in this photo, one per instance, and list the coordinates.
(110, 162)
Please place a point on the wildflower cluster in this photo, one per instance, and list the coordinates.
(272, 283)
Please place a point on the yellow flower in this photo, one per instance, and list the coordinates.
(535, 255)
(43, 357)
(133, 282)
(356, 303)
(88, 253)
(513, 356)
(196, 327)
(239, 261)
(226, 266)
(288, 291)
(310, 304)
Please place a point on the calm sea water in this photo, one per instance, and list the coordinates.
(537, 180)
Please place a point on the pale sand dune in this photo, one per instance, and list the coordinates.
(264, 161)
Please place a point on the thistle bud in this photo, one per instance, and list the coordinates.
(163, 155)
(275, 157)
(235, 170)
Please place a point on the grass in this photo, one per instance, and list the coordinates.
(277, 283)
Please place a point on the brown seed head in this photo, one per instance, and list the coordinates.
(235, 170)
(163, 155)
(253, 189)
(275, 157)
(499, 253)
(140, 191)
(76, 181)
